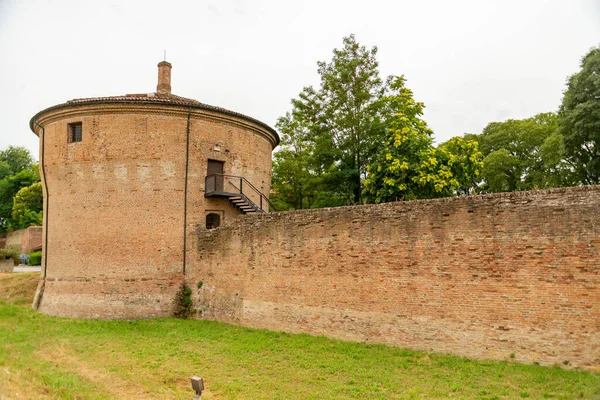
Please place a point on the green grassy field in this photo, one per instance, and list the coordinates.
(48, 357)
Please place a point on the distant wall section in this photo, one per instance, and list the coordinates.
(27, 239)
(482, 276)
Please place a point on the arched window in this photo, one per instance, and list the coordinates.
(213, 221)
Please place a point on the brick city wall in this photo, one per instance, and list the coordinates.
(32, 239)
(15, 238)
(26, 239)
(481, 276)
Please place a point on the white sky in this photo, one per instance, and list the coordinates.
(470, 61)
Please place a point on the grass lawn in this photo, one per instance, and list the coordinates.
(48, 357)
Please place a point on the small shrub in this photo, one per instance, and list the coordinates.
(35, 258)
(183, 302)
(9, 252)
(512, 355)
(200, 283)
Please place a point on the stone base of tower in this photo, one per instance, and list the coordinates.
(108, 298)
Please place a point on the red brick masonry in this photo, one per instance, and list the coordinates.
(481, 276)
(27, 239)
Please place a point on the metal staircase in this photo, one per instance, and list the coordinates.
(243, 205)
(238, 191)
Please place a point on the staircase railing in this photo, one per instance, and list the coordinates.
(229, 185)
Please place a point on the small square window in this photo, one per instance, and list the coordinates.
(75, 132)
(213, 221)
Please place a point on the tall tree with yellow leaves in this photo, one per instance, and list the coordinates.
(408, 166)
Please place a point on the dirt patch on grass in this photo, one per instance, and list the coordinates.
(115, 385)
(13, 385)
(18, 287)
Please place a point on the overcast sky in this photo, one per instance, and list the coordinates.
(470, 61)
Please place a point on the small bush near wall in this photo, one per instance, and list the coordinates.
(9, 252)
(35, 258)
(183, 302)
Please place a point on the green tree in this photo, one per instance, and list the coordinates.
(332, 132)
(14, 159)
(27, 207)
(17, 170)
(523, 154)
(9, 187)
(408, 166)
(294, 182)
(560, 170)
(580, 119)
(351, 89)
(464, 160)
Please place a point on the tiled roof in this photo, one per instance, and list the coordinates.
(160, 98)
(153, 97)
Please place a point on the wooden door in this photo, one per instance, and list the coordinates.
(215, 173)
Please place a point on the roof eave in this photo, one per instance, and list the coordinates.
(201, 106)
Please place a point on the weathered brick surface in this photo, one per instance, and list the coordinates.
(26, 239)
(116, 201)
(32, 239)
(482, 276)
(14, 238)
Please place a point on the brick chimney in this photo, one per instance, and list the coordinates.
(164, 77)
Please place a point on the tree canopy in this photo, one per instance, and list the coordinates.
(408, 166)
(17, 171)
(13, 160)
(332, 132)
(27, 207)
(523, 155)
(580, 119)
(359, 138)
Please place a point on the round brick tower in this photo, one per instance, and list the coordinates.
(127, 180)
